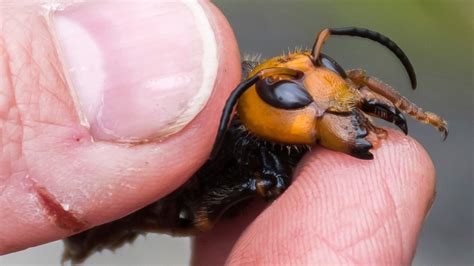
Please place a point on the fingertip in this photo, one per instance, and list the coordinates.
(344, 210)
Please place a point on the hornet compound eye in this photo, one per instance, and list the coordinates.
(283, 94)
(331, 64)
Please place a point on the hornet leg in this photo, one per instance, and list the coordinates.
(361, 79)
(268, 181)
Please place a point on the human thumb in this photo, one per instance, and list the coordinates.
(104, 107)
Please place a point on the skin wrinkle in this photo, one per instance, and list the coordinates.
(11, 143)
(368, 242)
(8, 118)
(409, 165)
(26, 95)
(402, 184)
(363, 237)
(11, 152)
(41, 74)
(393, 206)
(336, 250)
(313, 194)
(310, 168)
(381, 220)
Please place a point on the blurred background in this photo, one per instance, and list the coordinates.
(437, 37)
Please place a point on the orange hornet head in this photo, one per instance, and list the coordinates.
(307, 98)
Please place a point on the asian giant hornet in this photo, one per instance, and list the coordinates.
(284, 105)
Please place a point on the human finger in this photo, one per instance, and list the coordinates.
(104, 108)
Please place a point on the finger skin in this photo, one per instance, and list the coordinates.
(54, 180)
(339, 210)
